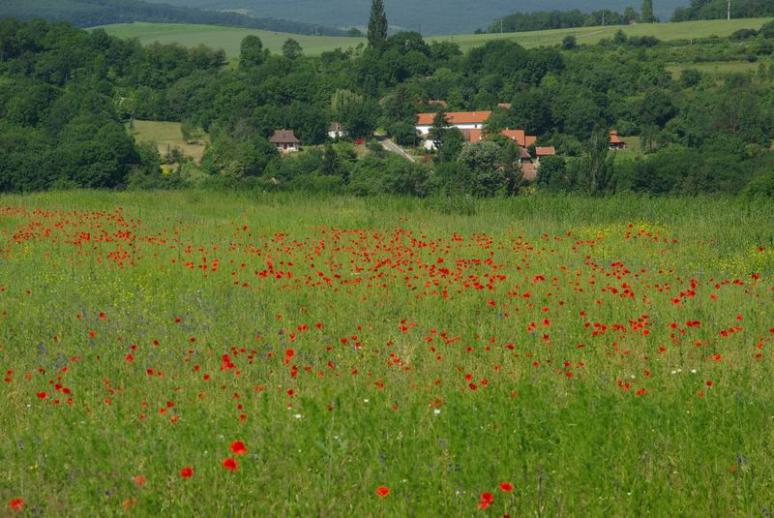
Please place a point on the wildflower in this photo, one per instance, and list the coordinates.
(186, 472)
(230, 464)
(16, 504)
(238, 448)
(506, 487)
(485, 500)
(382, 491)
(139, 480)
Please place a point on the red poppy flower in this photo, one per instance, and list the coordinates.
(139, 480)
(506, 487)
(382, 491)
(230, 464)
(186, 472)
(485, 500)
(238, 447)
(17, 504)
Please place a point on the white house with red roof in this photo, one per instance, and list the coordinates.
(460, 120)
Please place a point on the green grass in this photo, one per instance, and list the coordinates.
(591, 35)
(169, 315)
(229, 38)
(166, 136)
(226, 38)
(717, 68)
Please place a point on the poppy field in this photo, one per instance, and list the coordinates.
(205, 354)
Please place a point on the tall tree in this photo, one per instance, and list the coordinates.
(377, 25)
(647, 11)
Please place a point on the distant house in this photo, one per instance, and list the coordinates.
(615, 141)
(336, 130)
(519, 137)
(437, 102)
(542, 152)
(285, 141)
(460, 120)
(504, 106)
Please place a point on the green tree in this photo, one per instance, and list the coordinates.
(377, 25)
(569, 42)
(647, 11)
(291, 49)
(251, 52)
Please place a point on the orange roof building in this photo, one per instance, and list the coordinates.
(461, 120)
(615, 141)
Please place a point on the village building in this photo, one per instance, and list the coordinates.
(285, 141)
(615, 141)
(460, 120)
(336, 131)
(544, 151)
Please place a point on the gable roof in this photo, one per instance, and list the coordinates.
(454, 118)
(614, 138)
(517, 135)
(284, 136)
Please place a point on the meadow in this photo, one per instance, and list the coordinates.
(213, 354)
(229, 38)
(167, 136)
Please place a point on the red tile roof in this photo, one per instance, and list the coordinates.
(614, 138)
(284, 136)
(545, 151)
(454, 118)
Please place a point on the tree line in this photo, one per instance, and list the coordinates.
(91, 13)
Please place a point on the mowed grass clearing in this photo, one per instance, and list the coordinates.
(718, 68)
(212, 354)
(167, 136)
(229, 38)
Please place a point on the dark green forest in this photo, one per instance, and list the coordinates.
(90, 13)
(544, 20)
(67, 97)
(718, 9)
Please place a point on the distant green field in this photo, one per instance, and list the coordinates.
(722, 68)
(228, 38)
(167, 136)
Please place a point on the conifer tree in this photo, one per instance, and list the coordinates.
(377, 25)
(647, 11)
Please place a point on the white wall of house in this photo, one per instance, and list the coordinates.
(425, 130)
(428, 145)
(334, 134)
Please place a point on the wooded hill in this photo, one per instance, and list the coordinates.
(89, 13)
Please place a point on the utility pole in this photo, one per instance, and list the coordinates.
(729, 10)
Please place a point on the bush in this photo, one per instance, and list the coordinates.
(743, 34)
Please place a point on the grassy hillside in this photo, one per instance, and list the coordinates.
(167, 136)
(226, 38)
(229, 38)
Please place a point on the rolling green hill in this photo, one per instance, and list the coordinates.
(229, 38)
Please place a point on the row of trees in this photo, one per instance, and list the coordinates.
(66, 94)
(544, 20)
(91, 13)
(718, 9)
